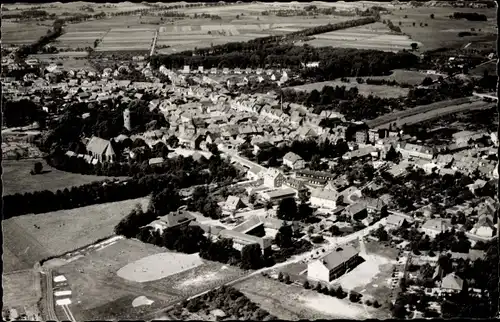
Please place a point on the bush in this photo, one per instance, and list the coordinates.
(368, 302)
(306, 285)
(376, 304)
(280, 277)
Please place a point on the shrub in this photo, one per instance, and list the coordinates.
(376, 304)
(306, 285)
(280, 277)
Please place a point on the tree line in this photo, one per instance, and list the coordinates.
(471, 16)
(44, 40)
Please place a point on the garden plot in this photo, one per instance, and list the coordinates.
(127, 39)
(79, 39)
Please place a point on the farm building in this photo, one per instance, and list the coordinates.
(278, 194)
(332, 265)
(173, 219)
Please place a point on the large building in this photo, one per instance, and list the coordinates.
(332, 265)
(293, 161)
(101, 150)
(324, 198)
(173, 219)
(273, 178)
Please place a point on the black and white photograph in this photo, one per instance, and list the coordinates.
(247, 160)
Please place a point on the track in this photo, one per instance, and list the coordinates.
(51, 313)
(68, 313)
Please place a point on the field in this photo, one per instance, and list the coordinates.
(18, 34)
(402, 76)
(292, 302)
(364, 89)
(21, 290)
(372, 36)
(99, 293)
(441, 31)
(126, 39)
(429, 115)
(17, 179)
(25, 244)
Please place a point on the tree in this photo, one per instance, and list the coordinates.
(427, 81)
(251, 257)
(414, 45)
(287, 279)
(280, 276)
(37, 168)
(306, 285)
(432, 16)
(287, 209)
(305, 211)
(335, 230)
(283, 237)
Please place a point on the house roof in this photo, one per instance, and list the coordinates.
(436, 224)
(453, 282)
(232, 202)
(280, 193)
(326, 194)
(395, 220)
(338, 256)
(100, 146)
(356, 208)
(292, 157)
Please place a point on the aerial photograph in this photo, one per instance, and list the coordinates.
(246, 160)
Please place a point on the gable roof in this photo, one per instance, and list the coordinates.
(327, 194)
(100, 146)
(232, 202)
(453, 282)
(292, 157)
(338, 256)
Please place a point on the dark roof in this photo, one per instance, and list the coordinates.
(339, 256)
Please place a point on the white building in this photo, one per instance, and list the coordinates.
(433, 227)
(332, 265)
(273, 178)
(324, 198)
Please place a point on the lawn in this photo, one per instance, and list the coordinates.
(364, 89)
(295, 303)
(60, 231)
(17, 179)
(20, 288)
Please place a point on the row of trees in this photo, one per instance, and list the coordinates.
(56, 31)
(471, 16)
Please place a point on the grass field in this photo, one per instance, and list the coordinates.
(364, 89)
(60, 231)
(99, 293)
(17, 179)
(402, 76)
(372, 36)
(20, 288)
(294, 303)
(126, 39)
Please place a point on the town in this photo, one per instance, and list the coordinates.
(268, 177)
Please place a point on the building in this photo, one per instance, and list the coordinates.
(240, 240)
(409, 150)
(484, 227)
(361, 136)
(126, 119)
(254, 173)
(433, 227)
(277, 195)
(314, 175)
(232, 204)
(395, 221)
(293, 161)
(356, 211)
(332, 265)
(295, 184)
(101, 150)
(173, 219)
(273, 178)
(451, 284)
(324, 198)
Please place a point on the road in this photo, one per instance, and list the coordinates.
(49, 297)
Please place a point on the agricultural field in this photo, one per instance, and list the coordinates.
(126, 39)
(18, 34)
(17, 179)
(21, 291)
(293, 302)
(375, 36)
(25, 244)
(402, 76)
(100, 293)
(441, 31)
(364, 89)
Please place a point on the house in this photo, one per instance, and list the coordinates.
(173, 219)
(484, 227)
(332, 265)
(101, 150)
(324, 198)
(433, 227)
(361, 136)
(273, 178)
(314, 175)
(394, 221)
(451, 284)
(232, 204)
(254, 173)
(153, 161)
(356, 210)
(293, 161)
(257, 147)
(295, 184)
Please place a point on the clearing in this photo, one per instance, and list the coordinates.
(17, 179)
(364, 89)
(20, 288)
(25, 244)
(402, 76)
(292, 302)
